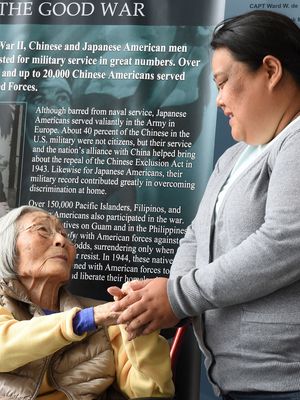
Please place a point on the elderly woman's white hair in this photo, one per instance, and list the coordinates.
(8, 238)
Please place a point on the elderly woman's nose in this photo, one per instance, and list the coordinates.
(59, 239)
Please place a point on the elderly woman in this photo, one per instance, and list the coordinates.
(51, 347)
(237, 270)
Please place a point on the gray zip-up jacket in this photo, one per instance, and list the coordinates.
(239, 276)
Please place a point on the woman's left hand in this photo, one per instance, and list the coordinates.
(127, 287)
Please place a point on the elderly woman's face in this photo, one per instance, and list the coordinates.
(243, 97)
(43, 250)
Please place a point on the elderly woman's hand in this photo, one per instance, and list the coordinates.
(104, 315)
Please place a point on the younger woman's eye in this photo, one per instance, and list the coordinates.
(221, 84)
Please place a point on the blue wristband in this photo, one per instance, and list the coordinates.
(84, 321)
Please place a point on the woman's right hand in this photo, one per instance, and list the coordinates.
(146, 307)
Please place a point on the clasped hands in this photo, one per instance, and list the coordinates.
(143, 306)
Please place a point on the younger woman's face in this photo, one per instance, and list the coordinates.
(243, 97)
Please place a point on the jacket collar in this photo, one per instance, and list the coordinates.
(13, 288)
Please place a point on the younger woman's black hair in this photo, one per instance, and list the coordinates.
(252, 36)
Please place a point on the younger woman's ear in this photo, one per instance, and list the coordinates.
(273, 69)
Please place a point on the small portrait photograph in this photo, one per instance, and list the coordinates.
(11, 127)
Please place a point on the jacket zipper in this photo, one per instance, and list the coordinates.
(53, 382)
(39, 382)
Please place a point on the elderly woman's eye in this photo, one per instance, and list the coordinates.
(43, 228)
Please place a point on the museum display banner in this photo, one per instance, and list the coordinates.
(107, 120)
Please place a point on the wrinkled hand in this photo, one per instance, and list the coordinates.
(146, 308)
(104, 314)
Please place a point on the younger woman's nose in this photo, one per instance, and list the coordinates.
(219, 100)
